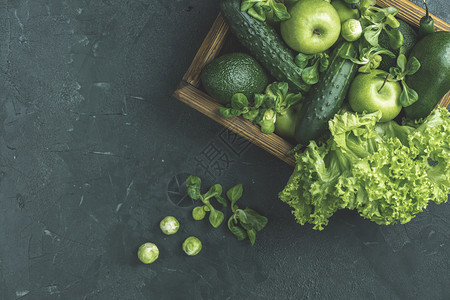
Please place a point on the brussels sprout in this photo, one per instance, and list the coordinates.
(169, 225)
(351, 30)
(192, 246)
(198, 213)
(148, 253)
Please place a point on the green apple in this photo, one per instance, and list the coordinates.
(369, 92)
(285, 124)
(314, 26)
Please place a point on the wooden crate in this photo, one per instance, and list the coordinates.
(188, 90)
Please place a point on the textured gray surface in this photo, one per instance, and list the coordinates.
(92, 145)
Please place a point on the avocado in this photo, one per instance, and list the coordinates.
(432, 80)
(233, 73)
(409, 40)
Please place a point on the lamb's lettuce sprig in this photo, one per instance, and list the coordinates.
(262, 9)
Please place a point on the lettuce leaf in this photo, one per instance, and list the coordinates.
(385, 171)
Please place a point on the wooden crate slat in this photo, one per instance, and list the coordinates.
(200, 101)
(209, 49)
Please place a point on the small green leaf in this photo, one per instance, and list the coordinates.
(234, 194)
(255, 220)
(268, 121)
(239, 101)
(392, 21)
(216, 217)
(259, 100)
(389, 10)
(371, 35)
(251, 236)
(245, 5)
(293, 99)
(280, 11)
(257, 12)
(324, 62)
(301, 60)
(214, 191)
(239, 232)
(408, 95)
(193, 184)
(395, 72)
(401, 62)
(395, 38)
(221, 200)
(412, 66)
(241, 215)
(228, 112)
(251, 115)
(310, 75)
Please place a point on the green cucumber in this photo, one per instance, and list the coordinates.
(326, 97)
(264, 44)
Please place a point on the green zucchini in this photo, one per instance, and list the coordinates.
(264, 44)
(326, 97)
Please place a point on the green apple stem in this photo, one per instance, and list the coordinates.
(385, 80)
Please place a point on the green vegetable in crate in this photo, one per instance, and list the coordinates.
(376, 20)
(369, 57)
(264, 44)
(327, 96)
(426, 24)
(312, 28)
(410, 38)
(371, 92)
(233, 73)
(265, 108)
(312, 64)
(381, 170)
(351, 30)
(432, 80)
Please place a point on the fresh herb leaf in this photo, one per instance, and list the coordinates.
(401, 62)
(221, 200)
(238, 231)
(412, 66)
(215, 190)
(301, 60)
(239, 101)
(404, 68)
(310, 75)
(408, 96)
(251, 236)
(216, 217)
(260, 9)
(193, 184)
(244, 222)
(234, 194)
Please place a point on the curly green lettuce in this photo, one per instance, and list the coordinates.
(387, 172)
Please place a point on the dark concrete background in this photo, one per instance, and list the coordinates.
(93, 146)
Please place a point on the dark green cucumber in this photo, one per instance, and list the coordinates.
(264, 44)
(325, 98)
